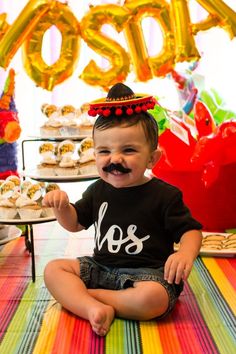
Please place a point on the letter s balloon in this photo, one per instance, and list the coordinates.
(91, 33)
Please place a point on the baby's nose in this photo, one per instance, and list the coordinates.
(116, 158)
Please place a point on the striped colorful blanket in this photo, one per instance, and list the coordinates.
(31, 321)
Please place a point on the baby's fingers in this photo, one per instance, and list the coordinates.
(169, 271)
(186, 272)
(56, 199)
(179, 273)
(174, 270)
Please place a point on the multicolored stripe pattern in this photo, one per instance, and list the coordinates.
(204, 320)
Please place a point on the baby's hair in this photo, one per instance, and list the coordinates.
(147, 121)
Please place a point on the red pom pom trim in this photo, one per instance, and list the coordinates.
(144, 108)
(106, 112)
(92, 112)
(137, 109)
(118, 112)
(129, 111)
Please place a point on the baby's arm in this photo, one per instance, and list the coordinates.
(179, 264)
(65, 213)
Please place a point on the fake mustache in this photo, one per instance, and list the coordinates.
(116, 167)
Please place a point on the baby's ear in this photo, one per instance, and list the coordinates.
(154, 158)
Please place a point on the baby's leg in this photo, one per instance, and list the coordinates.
(146, 300)
(62, 278)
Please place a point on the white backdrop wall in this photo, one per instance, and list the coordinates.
(216, 66)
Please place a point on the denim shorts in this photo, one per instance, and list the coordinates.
(95, 276)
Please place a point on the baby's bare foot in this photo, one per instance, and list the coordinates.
(101, 318)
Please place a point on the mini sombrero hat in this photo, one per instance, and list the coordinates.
(121, 100)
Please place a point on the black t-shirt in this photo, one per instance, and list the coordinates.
(134, 226)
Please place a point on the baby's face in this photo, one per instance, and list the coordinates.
(126, 146)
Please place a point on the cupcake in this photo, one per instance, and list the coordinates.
(86, 157)
(7, 203)
(48, 109)
(28, 204)
(67, 165)
(53, 124)
(68, 112)
(70, 126)
(34, 192)
(48, 160)
(7, 209)
(24, 186)
(17, 182)
(7, 189)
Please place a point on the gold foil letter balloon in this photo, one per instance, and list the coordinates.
(23, 25)
(146, 66)
(91, 33)
(185, 48)
(220, 14)
(48, 76)
(3, 24)
(173, 17)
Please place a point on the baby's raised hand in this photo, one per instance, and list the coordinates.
(177, 267)
(57, 199)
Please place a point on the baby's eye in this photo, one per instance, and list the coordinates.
(129, 150)
(103, 152)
